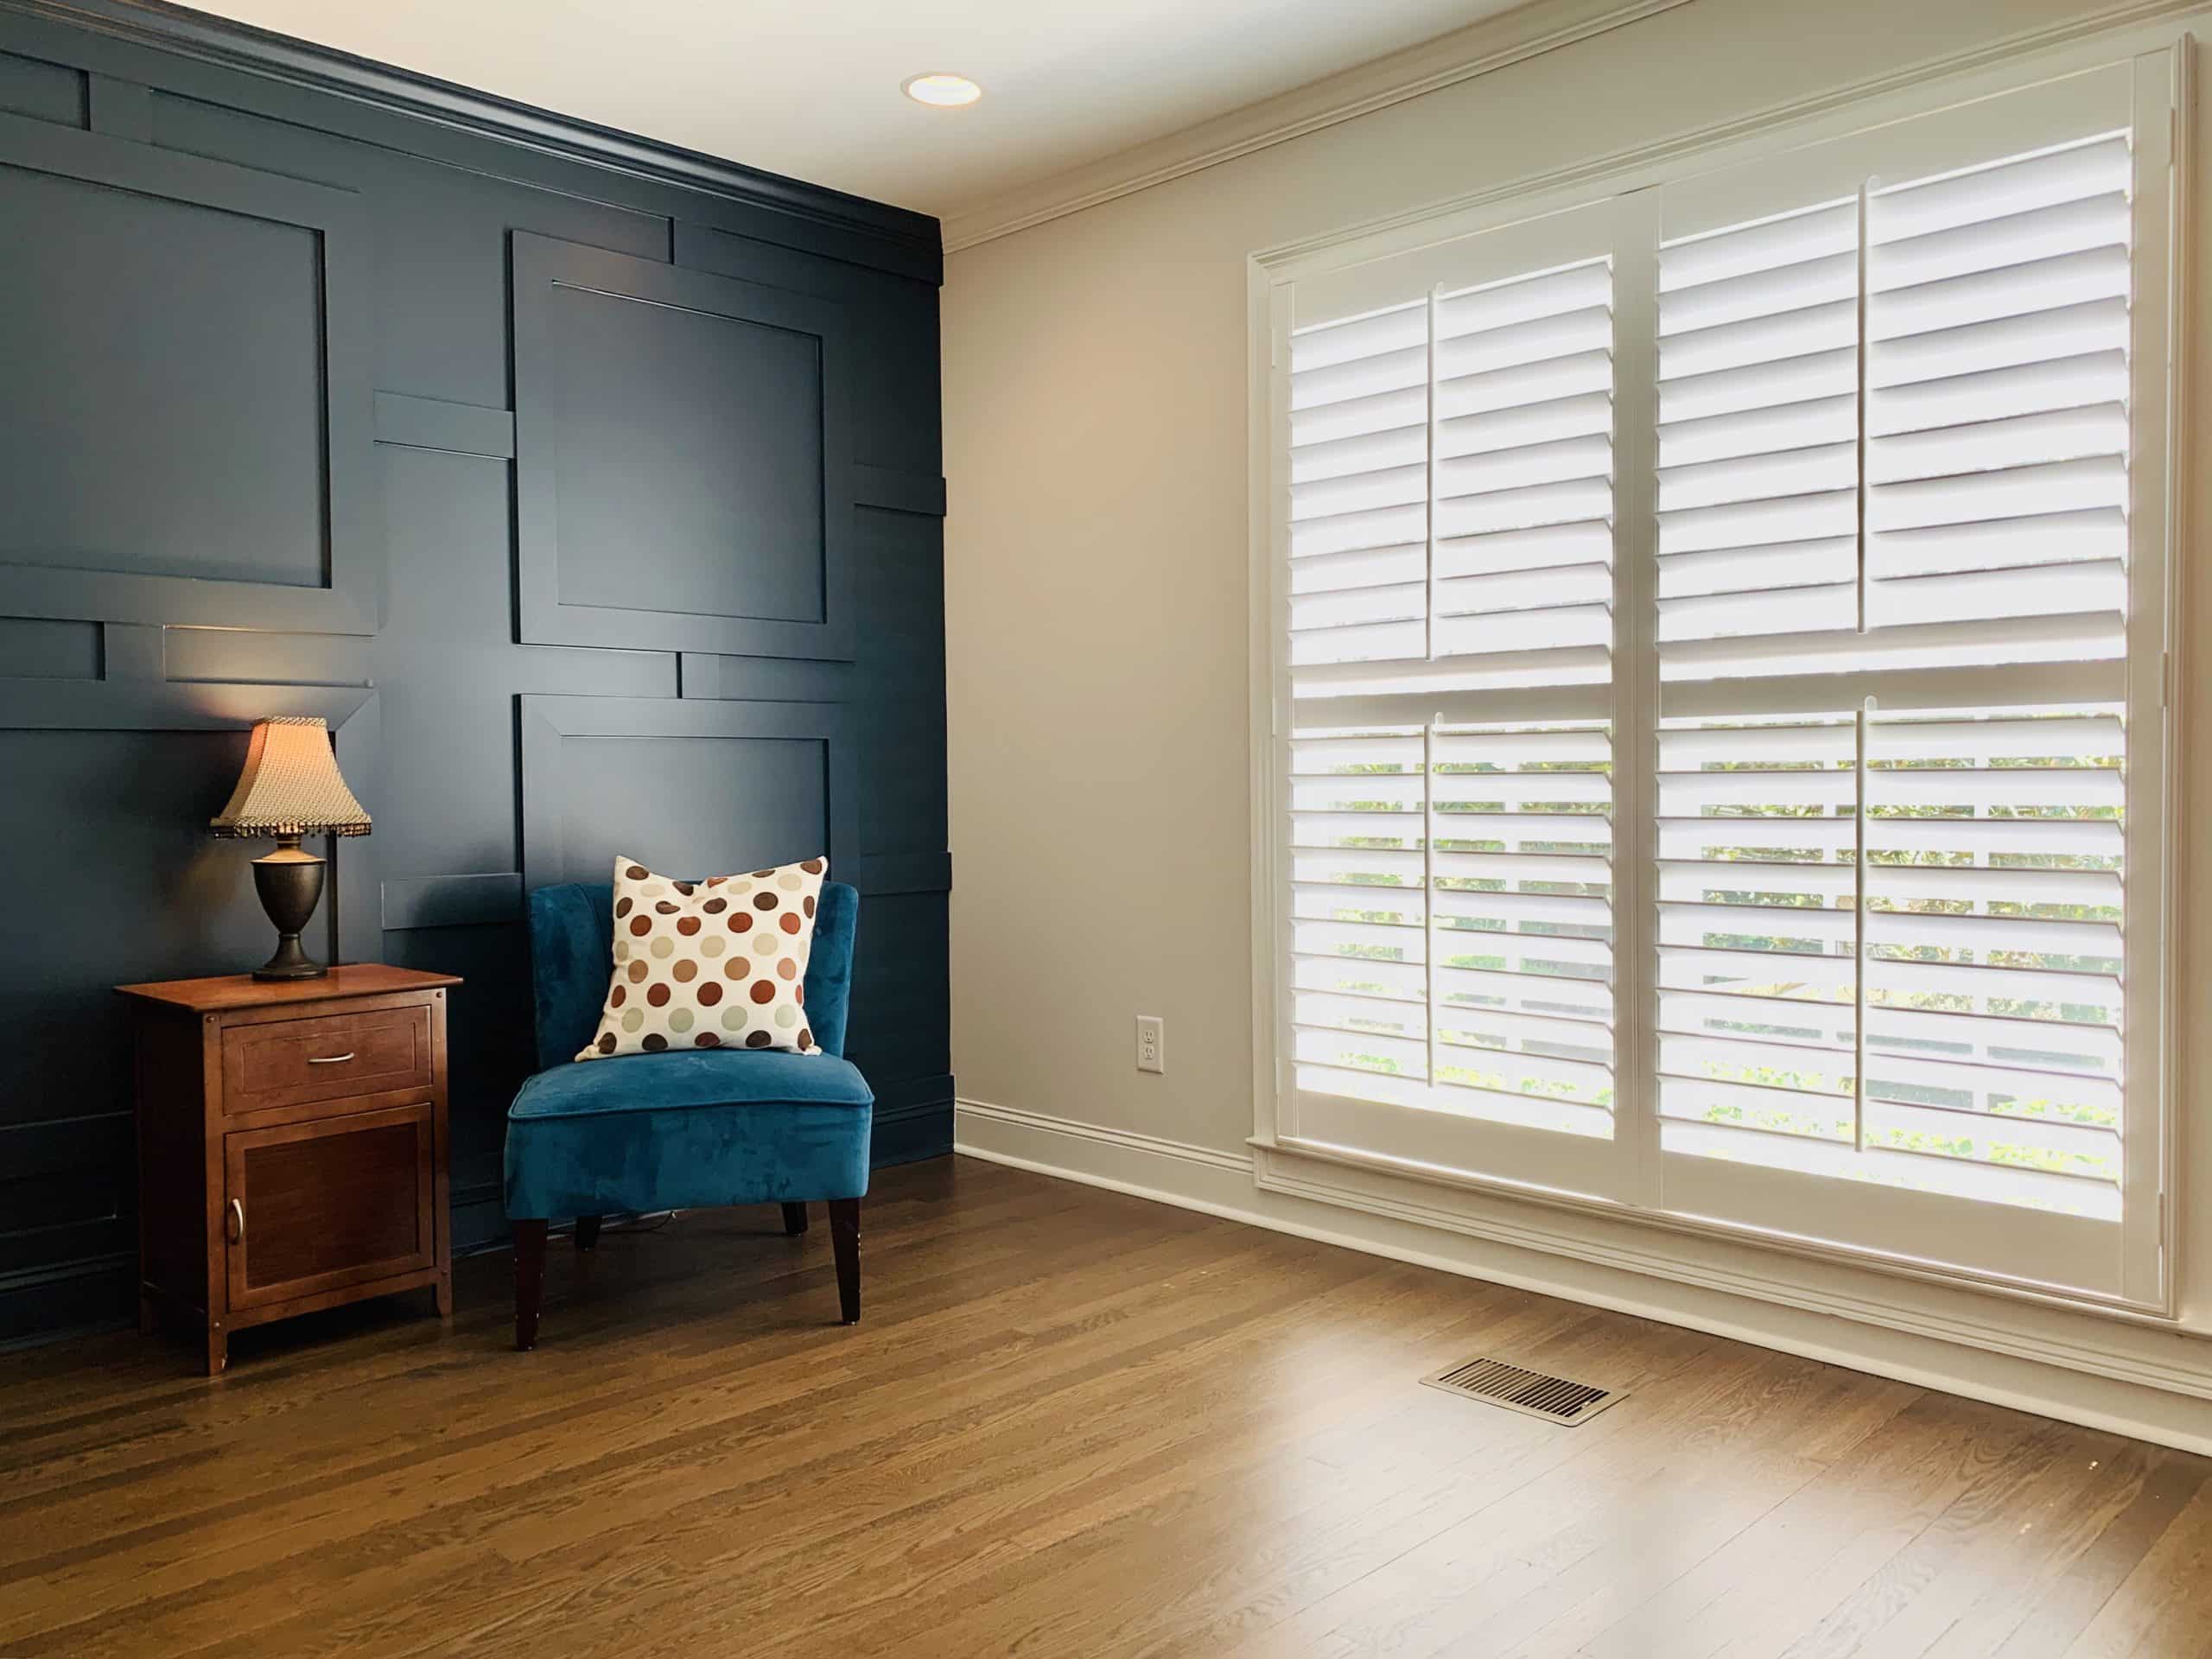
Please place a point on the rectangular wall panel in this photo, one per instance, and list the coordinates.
(649, 399)
(185, 423)
(49, 91)
(690, 788)
(45, 649)
(684, 458)
(96, 283)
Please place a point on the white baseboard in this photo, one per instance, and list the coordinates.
(2149, 1383)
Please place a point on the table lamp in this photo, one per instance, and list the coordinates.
(290, 788)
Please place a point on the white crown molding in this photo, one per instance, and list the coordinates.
(1480, 47)
(1492, 43)
(2152, 1385)
(2133, 25)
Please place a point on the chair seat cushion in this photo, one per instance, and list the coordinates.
(691, 1078)
(687, 1131)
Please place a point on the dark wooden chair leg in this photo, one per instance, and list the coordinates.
(530, 1280)
(845, 1243)
(794, 1220)
(586, 1232)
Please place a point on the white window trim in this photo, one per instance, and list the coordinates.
(2162, 55)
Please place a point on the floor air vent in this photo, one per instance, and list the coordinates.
(1555, 1399)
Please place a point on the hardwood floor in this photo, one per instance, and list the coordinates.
(1073, 1423)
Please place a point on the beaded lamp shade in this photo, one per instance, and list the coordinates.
(291, 785)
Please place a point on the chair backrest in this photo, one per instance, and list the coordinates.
(572, 952)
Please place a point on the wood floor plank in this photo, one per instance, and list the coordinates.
(1541, 1565)
(2062, 1608)
(1073, 1423)
(1810, 1552)
(1471, 1455)
(2001, 1491)
(526, 1457)
(1007, 1436)
(1982, 1595)
(2163, 1606)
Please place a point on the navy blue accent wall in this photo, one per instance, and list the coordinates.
(590, 490)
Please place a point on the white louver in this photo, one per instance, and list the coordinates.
(1719, 711)
(1990, 994)
(1452, 533)
(1934, 476)
(1450, 495)
(1997, 382)
(1994, 378)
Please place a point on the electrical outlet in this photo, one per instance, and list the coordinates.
(1152, 1043)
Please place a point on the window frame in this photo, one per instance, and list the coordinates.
(2157, 62)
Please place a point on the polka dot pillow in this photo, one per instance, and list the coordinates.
(719, 964)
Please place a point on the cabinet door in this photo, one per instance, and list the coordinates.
(311, 1207)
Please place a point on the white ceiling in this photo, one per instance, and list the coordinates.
(809, 88)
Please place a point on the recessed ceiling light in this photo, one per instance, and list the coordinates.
(945, 92)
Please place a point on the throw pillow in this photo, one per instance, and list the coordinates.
(718, 964)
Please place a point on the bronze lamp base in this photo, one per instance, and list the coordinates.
(289, 882)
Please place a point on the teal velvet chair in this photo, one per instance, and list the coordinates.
(686, 1131)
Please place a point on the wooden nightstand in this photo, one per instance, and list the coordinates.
(291, 1146)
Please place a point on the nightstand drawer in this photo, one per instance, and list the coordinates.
(332, 1057)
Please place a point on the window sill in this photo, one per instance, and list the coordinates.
(1515, 1214)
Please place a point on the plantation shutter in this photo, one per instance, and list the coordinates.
(1894, 565)
(1856, 694)
(1451, 624)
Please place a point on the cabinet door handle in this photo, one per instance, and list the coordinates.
(237, 1222)
(330, 1060)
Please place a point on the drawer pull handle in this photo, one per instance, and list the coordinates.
(237, 1222)
(330, 1060)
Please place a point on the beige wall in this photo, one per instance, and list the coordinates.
(1095, 388)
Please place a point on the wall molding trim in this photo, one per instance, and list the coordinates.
(473, 899)
(494, 897)
(1492, 43)
(2154, 1384)
(239, 46)
(977, 1111)
(1631, 168)
(899, 491)
(46, 1303)
(434, 424)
